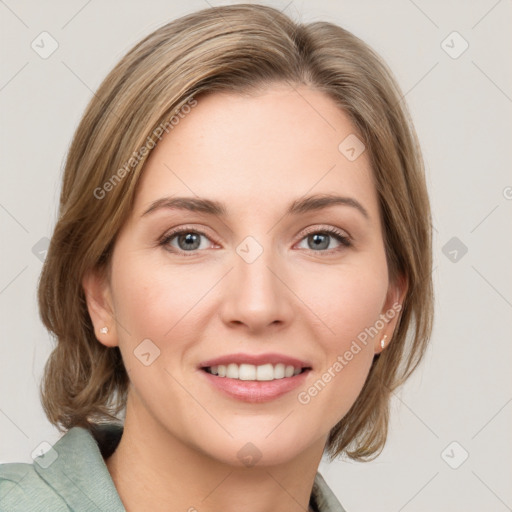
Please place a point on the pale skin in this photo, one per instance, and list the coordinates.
(255, 154)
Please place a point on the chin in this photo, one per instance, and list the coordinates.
(253, 447)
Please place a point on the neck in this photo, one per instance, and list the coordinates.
(153, 470)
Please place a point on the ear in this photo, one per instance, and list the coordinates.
(99, 304)
(391, 312)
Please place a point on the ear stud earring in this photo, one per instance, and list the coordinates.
(104, 330)
(383, 341)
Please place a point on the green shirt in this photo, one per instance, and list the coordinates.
(72, 475)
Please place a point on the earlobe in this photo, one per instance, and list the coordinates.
(99, 304)
(392, 312)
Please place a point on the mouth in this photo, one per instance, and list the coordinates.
(255, 378)
(263, 373)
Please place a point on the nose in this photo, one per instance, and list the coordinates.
(256, 295)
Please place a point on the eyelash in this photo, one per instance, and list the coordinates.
(338, 235)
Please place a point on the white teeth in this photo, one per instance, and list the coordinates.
(279, 371)
(247, 372)
(251, 372)
(232, 371)
(288, 371)
(264, 372)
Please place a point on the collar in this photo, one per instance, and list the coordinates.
(79, 473)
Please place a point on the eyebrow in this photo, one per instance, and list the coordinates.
(212, 207)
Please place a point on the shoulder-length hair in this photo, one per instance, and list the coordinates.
(239, 49)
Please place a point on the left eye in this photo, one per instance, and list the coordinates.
(321, 240)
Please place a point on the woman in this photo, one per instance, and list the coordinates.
(239, 276)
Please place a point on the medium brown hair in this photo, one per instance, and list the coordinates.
(239, 49)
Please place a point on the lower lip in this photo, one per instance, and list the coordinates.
(256, 391)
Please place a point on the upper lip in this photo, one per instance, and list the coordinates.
(256, 360)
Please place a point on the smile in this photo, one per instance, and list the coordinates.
(255, 378)
(264, 372)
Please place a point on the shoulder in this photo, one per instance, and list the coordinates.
(22, 489)
(71, 475)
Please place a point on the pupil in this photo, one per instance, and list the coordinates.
(318, 241)
(190, 239)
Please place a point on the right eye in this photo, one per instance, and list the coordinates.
(184, 241)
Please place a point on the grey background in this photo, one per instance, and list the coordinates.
(461, 108)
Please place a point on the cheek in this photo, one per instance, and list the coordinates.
(349, 303)
(157, 302)
(152, 298)
(346, 300)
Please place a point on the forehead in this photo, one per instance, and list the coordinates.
(263, 149)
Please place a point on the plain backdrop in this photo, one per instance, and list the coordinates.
(449, 446)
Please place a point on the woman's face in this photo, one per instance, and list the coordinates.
(278, 278)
